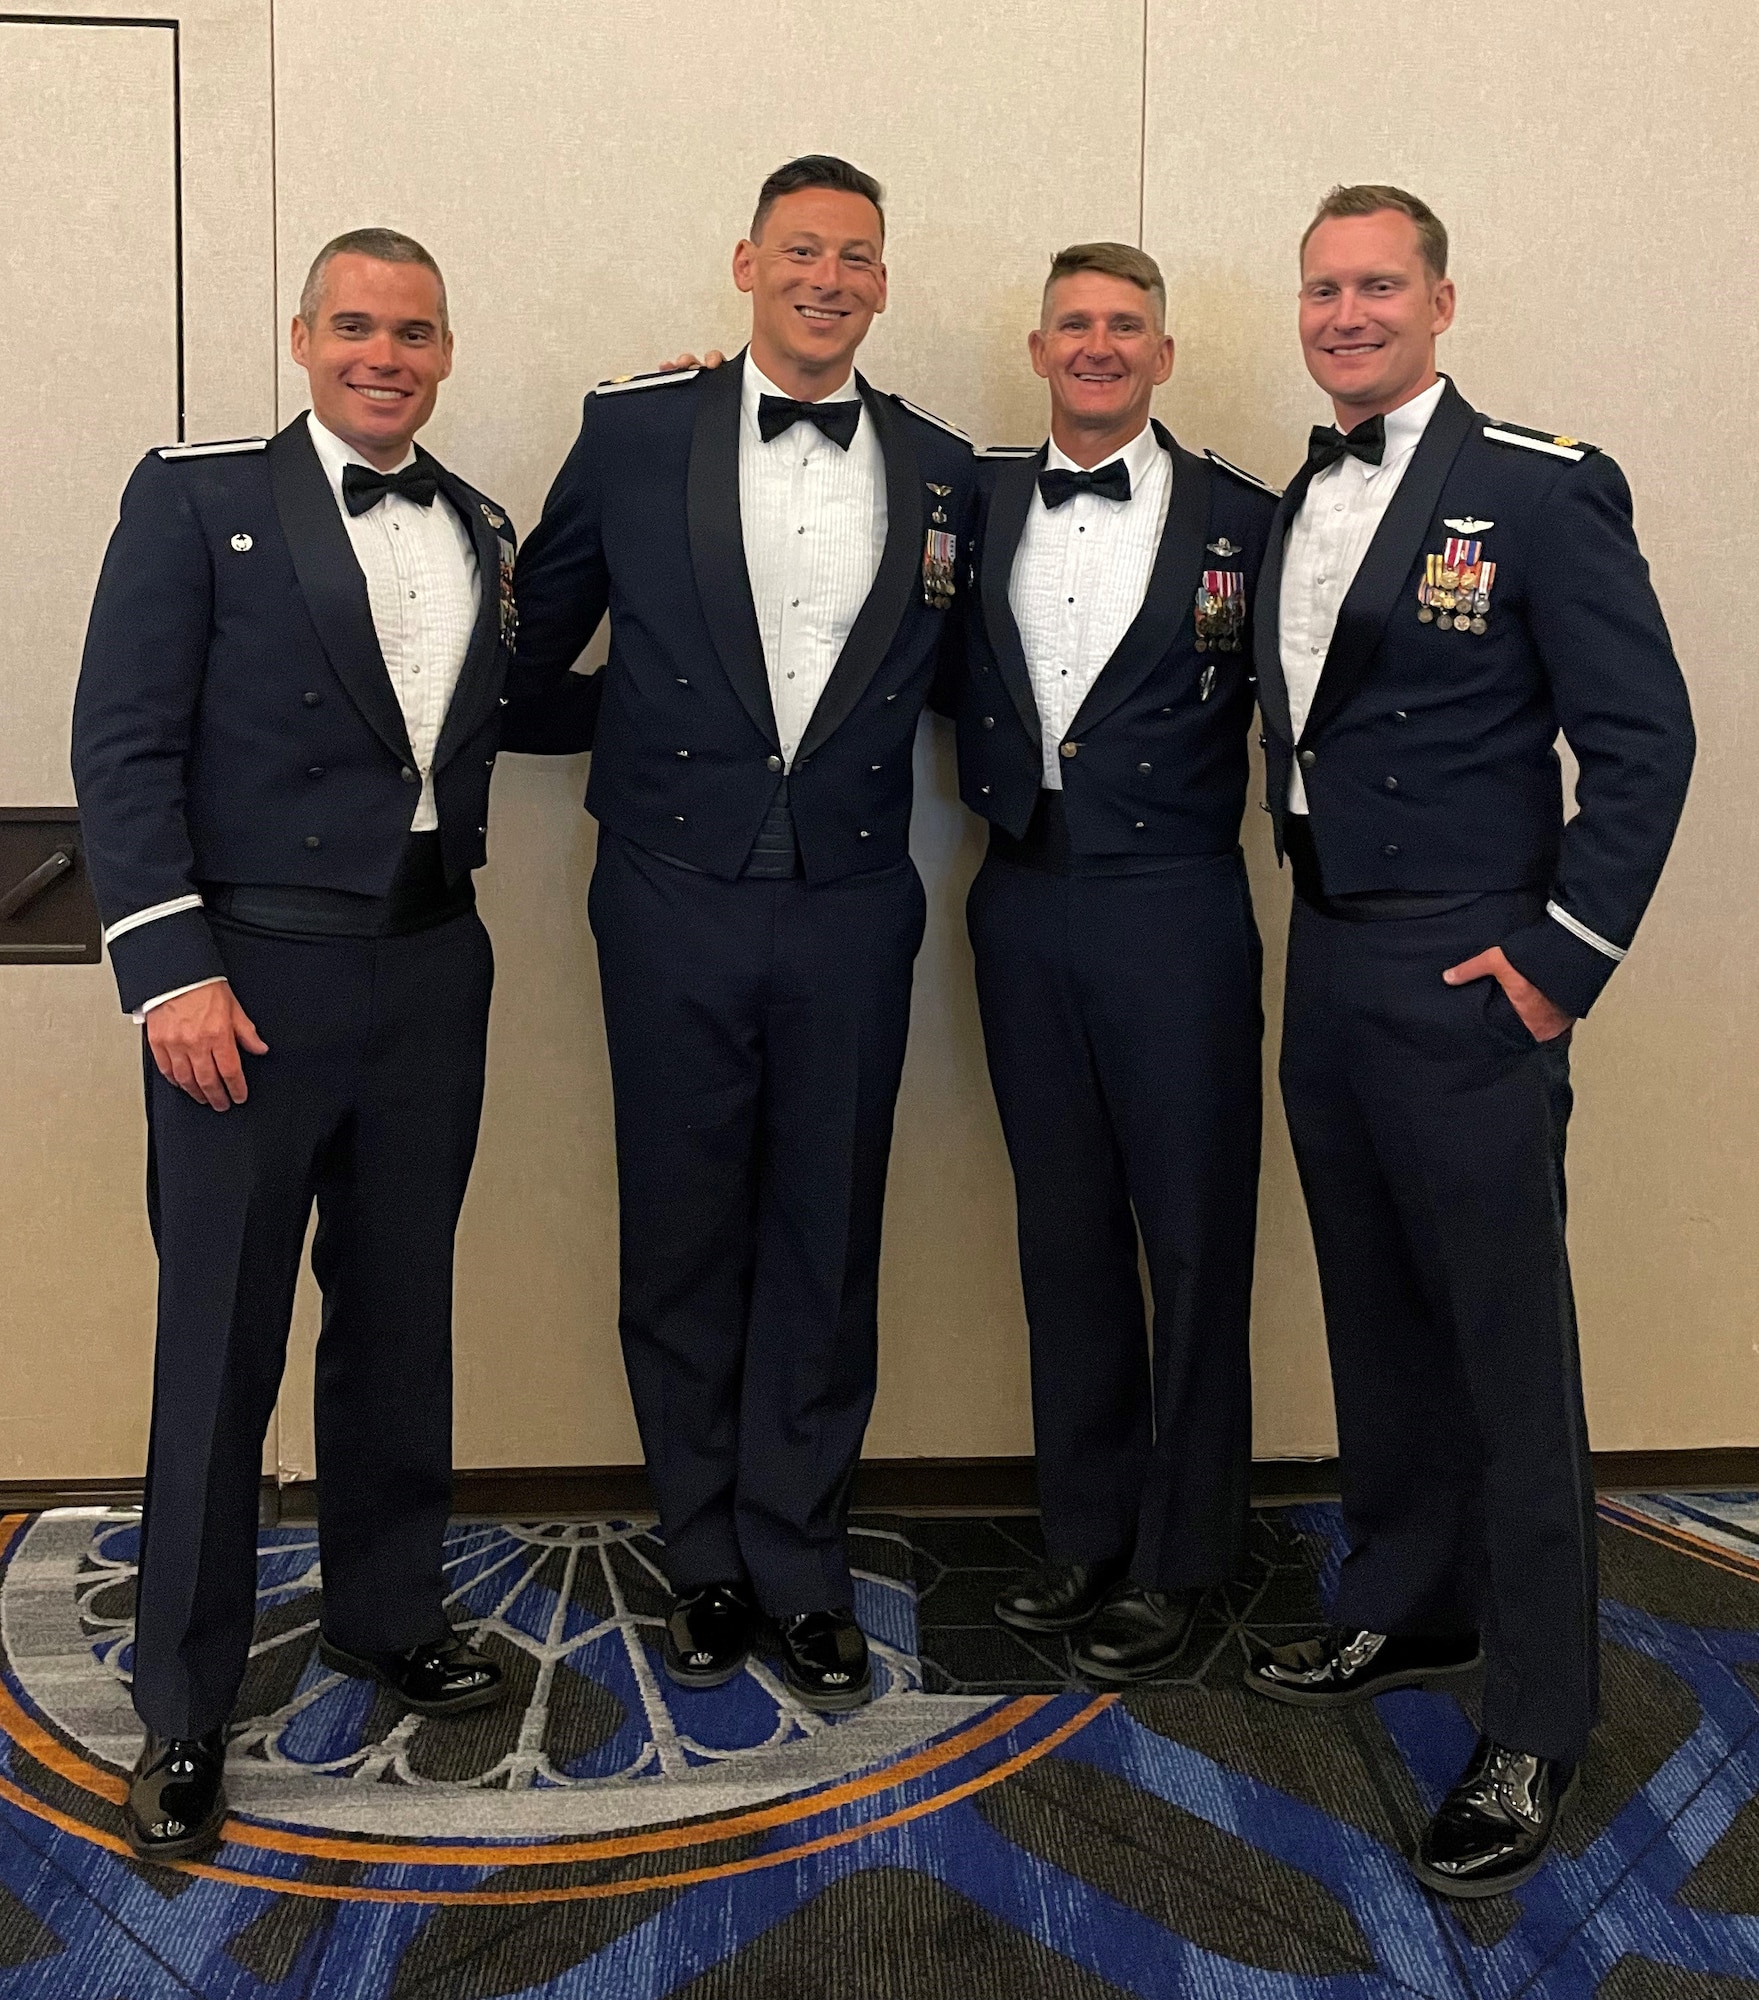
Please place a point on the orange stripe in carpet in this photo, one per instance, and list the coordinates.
(1665, 1535)
(640, 1885)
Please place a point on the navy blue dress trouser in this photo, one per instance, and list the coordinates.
(1429, 1128)
(366, 1104)
(1122, 1022)
(756, 1032)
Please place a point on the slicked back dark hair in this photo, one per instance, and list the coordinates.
(817, 170)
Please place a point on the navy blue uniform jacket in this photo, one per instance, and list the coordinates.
(1159, 759)
(643, 521)
(234, 720)
(1429, 755)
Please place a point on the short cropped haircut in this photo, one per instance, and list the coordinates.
(1115, 260)
(386, 246)
(1371, 198)
(817, 170)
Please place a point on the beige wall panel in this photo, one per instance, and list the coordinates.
(582, 174)
(88, 353)
(1588, 164)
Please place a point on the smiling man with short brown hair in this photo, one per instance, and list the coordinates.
(1103, 719)
(779, 546)
(287, 714)
(1444, 595)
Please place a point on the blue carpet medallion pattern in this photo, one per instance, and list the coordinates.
(989, 1829)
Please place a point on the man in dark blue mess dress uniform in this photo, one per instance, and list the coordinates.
(1443, 594)
(287, 714)
(1103, 716)
(779, 546)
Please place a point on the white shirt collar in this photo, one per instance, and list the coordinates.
(1405, 425)
(333, 454)
(1138, 455)
(757, 384)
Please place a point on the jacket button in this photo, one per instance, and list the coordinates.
(1166, 711)
(311, 840)
(311, 697)
(1392, 784)
(683, 753)
(773, 763)
(482, 829)
(891, 697)
(1309, 758)
(504, 699)
(678, 819)
(1399, 715)
(683, 680)
(1264, 805)
(989, 722)
(1145, 767)
(488, 763)
(315, 771)
(1140, 824)
(984, 789)
(876, 767)
(1390, 850)
(1069, 749)
(861, 833)
(1264, 743)
(409, 777)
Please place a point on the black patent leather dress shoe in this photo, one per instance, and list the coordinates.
(825, 1662)
(176, 1800)
(1137, 1634)
(1343, 1667)
(1495, 1827)
(443, 1677)
(1059, 1597)
(708, 1635)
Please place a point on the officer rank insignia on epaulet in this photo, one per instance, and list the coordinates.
(929, 417)
(619, 383)
(219, 449)
(1545, 441)
(1239, 471)
(1008, 450)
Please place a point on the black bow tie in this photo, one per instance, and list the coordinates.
(362, 487)
(837, 420)
(1110, 482)
(1326, 444)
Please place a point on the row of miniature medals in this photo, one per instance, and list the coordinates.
(1456, 588)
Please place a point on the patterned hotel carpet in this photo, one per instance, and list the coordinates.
(988, 1830)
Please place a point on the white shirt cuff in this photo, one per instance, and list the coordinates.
(152, 916)
(158, 1000)
(1578, 929)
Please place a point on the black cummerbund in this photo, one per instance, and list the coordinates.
(419, 898)
(775, 853)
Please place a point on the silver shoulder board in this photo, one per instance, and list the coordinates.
(929, 417)
(1555, 447)
(620, 383)
(1240, 472)
(1008, 450)
(217, 450)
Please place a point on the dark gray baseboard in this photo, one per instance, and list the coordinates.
(893, 1485)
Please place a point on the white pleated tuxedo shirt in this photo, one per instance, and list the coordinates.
(1079, 577)
(423, 587)
(813, 517)
(1343, 507)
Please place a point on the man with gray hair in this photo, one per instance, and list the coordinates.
(287, 713)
